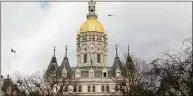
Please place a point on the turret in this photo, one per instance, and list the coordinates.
(65, 69)
(53, 66)
(117, 66)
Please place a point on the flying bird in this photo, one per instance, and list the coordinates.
(110, 15)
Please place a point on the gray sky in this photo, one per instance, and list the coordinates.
(33, 28)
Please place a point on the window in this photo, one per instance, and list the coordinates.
(84, 74)
(97, 74)
(104, 74)
(91, 10)
(85, 58)
(78, 75)
(107, 88)
(91, 74)
(116, 88)
(80, 89)
(75, 89)
(98, 58)
(118, 74)
(93, 88)
(102, 89)
(89, 88)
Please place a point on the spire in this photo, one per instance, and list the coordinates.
(52, 67)
(117, 63)
(65, 65)
(54, 56)
(54, 50)
(128, 56)
(66, 51)
(91, 9)
(116, 51)
(128, 51)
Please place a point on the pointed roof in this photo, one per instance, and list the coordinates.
(117, 63)
(129, 62)
(53, 66)
(128, 56)
(54, 57)
(65, 64)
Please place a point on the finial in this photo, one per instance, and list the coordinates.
(54, 50)
(66, 51)
(116, 51)
(128, 50)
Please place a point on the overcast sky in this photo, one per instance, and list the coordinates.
(33, 28)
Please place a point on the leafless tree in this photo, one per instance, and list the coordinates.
(132, 81)
(169, 75)
(37, 85)
(172, 73)
(9, 88)
(59, 86)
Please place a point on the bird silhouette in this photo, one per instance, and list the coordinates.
(110, 15)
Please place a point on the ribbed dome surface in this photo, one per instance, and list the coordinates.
(91, 24)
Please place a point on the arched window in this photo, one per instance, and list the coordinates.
(85, 58)
(107, 88)
(91, 74)
(98, 58)
(80, 89)
(93, 88)
(75, 89)
(89, 88)
(118, 74)
(78, 75)
(116, 88)
(102, 88)
(104, 74)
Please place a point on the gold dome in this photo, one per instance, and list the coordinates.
(91, 24)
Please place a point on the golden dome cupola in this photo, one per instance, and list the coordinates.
(91, 24)
(91, 10)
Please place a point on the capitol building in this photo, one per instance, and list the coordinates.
(92, 71)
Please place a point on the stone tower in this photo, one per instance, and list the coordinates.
(92, 46)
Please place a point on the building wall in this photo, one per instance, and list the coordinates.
(98, 45)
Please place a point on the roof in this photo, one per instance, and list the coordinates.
(92, 25)
(65, 65)
(117, 64)
(53, 66)
(87, 68)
